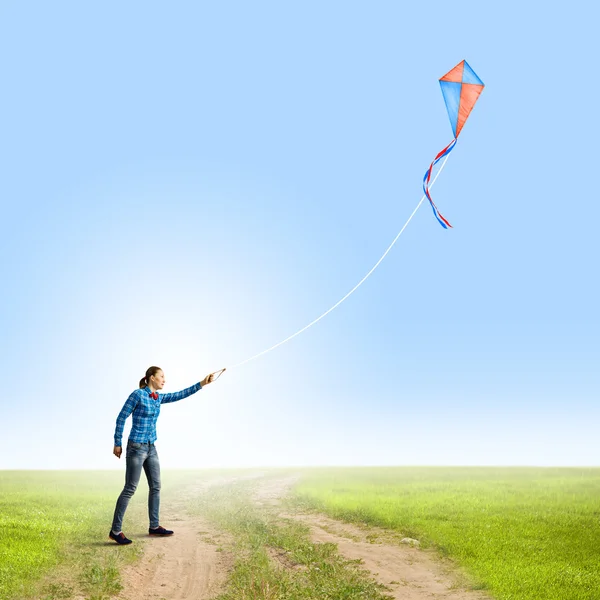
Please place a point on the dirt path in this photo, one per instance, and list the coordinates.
(407, 571)
(185, 566)
(189, 565)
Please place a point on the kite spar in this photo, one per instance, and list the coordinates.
(461, 88)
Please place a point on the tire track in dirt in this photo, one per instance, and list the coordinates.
(185, 566)
(189, 565)
(178, 567)
(408, 573)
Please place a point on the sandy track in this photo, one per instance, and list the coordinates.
(186, 565)
(409, 573)
(189, 565)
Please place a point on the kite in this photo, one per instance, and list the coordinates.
(461, 88)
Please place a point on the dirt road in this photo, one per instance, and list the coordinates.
(191, 564)
(187, 565)
(408, 572)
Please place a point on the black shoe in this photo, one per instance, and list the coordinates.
(160, 530)
(120, 539)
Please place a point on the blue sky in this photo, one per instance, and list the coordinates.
(188, 184)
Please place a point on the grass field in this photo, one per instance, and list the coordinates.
(53, 522)
(54, 531)
(524, 533)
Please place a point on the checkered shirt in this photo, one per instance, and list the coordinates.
(145, 413)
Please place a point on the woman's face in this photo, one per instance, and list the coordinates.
(158, 380)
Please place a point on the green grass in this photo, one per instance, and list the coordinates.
(522, 533)
(54, 531)
(54, 528)
(275, 559)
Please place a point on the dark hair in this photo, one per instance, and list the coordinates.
(146, 378)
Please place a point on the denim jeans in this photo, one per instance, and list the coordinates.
(138, 456)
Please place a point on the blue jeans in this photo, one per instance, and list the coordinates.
(138, 456)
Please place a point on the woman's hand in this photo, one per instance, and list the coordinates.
(211, 377)
(117, 451)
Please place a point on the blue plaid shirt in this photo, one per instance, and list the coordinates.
(145, 413)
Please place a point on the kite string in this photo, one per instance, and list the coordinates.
(353, 289)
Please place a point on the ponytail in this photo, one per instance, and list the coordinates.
(146, 378)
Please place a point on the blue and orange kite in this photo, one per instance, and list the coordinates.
(461, 88)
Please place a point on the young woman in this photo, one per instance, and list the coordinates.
(144, 403)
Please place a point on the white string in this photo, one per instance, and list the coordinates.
(353, 289)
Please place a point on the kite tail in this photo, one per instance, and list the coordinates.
(426, 183)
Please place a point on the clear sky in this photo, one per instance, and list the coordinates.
(185, 184)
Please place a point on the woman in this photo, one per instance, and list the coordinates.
(144, 403)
